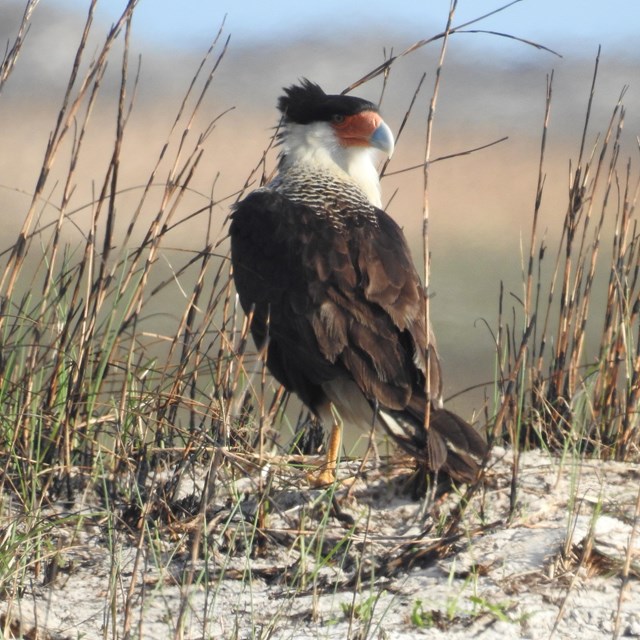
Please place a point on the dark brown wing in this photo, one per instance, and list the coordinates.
(341, 298)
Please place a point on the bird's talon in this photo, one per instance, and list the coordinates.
(321, 477)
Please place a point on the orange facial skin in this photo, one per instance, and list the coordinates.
(356, 131)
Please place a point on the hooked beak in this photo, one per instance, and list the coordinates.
(382, 139)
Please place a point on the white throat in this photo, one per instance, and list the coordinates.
(316, 144)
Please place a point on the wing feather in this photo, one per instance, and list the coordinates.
(348, 292)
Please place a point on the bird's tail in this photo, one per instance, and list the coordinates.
(450, 444)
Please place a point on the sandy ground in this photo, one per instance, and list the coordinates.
(555, 569)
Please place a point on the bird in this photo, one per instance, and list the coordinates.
(335, 301)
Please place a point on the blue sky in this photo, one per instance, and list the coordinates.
(560, 24)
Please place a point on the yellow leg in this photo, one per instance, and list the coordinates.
(327, 473)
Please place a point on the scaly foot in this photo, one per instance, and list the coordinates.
(321, 477)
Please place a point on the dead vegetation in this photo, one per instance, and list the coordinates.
(153, 460)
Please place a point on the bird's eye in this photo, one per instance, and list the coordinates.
(338, 118)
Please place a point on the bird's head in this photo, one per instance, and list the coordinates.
(334, 129)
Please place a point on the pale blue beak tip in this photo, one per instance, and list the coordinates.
(382, 138)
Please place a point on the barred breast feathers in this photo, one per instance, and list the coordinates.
(334, 195)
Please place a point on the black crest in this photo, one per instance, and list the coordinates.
(307, 102)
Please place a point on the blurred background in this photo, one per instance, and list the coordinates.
(492, 86)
